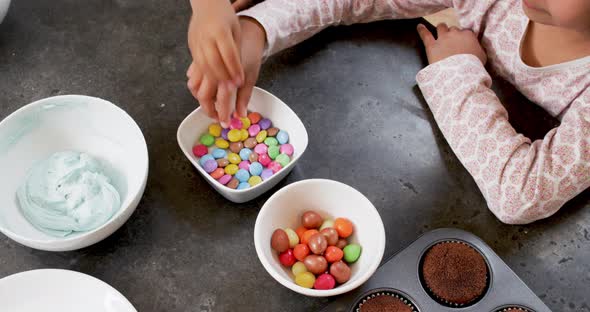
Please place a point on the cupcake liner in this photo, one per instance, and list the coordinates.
(442, 300)
(514, 308)
(383, 292)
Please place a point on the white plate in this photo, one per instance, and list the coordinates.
(52, 290)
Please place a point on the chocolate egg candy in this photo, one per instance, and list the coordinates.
(222, 162)
(279, 240)
(316, 264)
(236, 147)
(341, 243)
(340, 271)
(250, 143)
(317, 243)
(331, 236)
(253, 157)
(272, 131)
(311, 220)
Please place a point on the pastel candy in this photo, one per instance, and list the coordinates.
(255, 168)
(234, 135)
(235, 123)
(250, 143)
(207, 139)
(243, 185)
(272, 131)
(273, 151)
(264, 159)
(221, 143)
(222, 162)
(265, 123)
(231, 169)
(225, 179)
(217, 173)
(253, 157)
(245, 153)
(266, 173)
(234, 158)
(244, 164)
(261, 136)
(200, 150)
(270, 141)
(282, 137)
(254, 180)
(254, 117)
(242, 175)
(283, 159)
(233, 183)
(210, 165)
(236, 147)
(261, 148)
(275, 166)
(219, 153)
(245, 122)
(286, 149)
(224, 133)
(253, 130)
(244, 134)
(205, 158)
(215, 129)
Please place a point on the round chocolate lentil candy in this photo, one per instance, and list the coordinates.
(236, 147)
(250, 143)
(272, 131)
(253, 157)
(222, 162)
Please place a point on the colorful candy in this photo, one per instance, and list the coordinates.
(210, 165)
(200, 150)
(305, 279)
(343, 226)
(293, 238)
(244, 134)
(236, 147)
(272, 131)
(270, 141)
(298, 267)
(253, 130)
(234, 158)
(311, 220)
(352, 253)
(253, 157)
(234, 135)
(224, 133)
(264, 160)
(254, 117)
(221, 143)
(231, 169)
(215, 130)
(250, 143)
(261, 136)
(205, 158)
(219, 153)
(217, 173)
(242, 175)
(301, 251)
(287, 258)
(256, 169)
(283, 137)
(265, 123)
(333, 254)
(275, 166)
(245, 153)
(283, 159)
(243, 185)
(340, 271)
(286, 149)
(330, 234)
(266, 173)
(328, 223)
(279, 240)
(273, 151)
(316, 264)
(254, 180)
(225, 179)
(233, 183)
(261, 148)
(235, 123)
(245, 122)
(207, 139)
(324, 281)
(307, 235)
(317, 243)
(222, 162)
(244, 164)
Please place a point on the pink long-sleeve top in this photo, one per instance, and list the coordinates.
(522, 180)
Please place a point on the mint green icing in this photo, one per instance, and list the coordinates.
(68, 192)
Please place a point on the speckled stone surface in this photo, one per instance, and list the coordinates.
(188, 249)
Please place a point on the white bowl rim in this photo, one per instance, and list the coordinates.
(315, 292)
(82, 235)
(207, 176)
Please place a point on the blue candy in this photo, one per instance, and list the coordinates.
(245, 153)
(256, 168)
(242, 175)
(283, 137)
(243, 185)
(204, 159)
(219, 153)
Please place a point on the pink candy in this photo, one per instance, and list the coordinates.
(253, 130)
(261, 148)
(244, 164)
(225, 179)
(286, 149)
(264, 159)
(236, 124)
(200, 150)
(274, 166)
(324, 281)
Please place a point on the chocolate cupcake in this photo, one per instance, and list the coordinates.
(454, 273)
(514, 309)
(384, 300)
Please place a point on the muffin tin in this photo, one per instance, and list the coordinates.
(401, 275)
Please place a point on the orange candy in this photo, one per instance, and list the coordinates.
(217, 173)
(300, 230)
(333, 254)
(309, 233)
(301, 251)
(254, 117)
(343, 226)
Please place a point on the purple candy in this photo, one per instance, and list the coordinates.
(266, 173)
(265, 123)
(260, 148)
(286, 149)
(225, 179)
(224, 133)
(244, 164)
(210, 166)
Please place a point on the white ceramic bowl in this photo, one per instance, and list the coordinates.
(52, 290)
(69, 122)
(268, 106)
(330, 199)
(4, 4)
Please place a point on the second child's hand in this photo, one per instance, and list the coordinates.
(450, 41)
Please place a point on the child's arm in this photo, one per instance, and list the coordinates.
(289, 22)
(522, 181)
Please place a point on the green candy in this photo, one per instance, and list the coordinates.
(273, 152)
(207, 140)
(270, 141)
(283, 159)
(352, 253)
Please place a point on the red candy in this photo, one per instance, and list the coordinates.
(264, 159)
(275, 166)
(324, 282)
(287, 258)
(200, 150)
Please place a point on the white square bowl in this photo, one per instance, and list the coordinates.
(269, 106)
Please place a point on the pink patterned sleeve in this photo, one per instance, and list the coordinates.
(522, 181)
(288, 22)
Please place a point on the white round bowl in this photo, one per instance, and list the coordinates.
(330, 199)
(4, 4)
(269, 106)
(69, 122)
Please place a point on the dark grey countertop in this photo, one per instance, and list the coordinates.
(188, 249)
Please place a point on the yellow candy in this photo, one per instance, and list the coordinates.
(221, 143)
(244, 133)
(231, 169)
(215, 130)
(245, 122)
(261, 136)
(305, 279)
(254, 180)
(234, 135)
(298, 267)
(234, 158)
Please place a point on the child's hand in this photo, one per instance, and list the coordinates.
(240, 5)
(450, 42)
